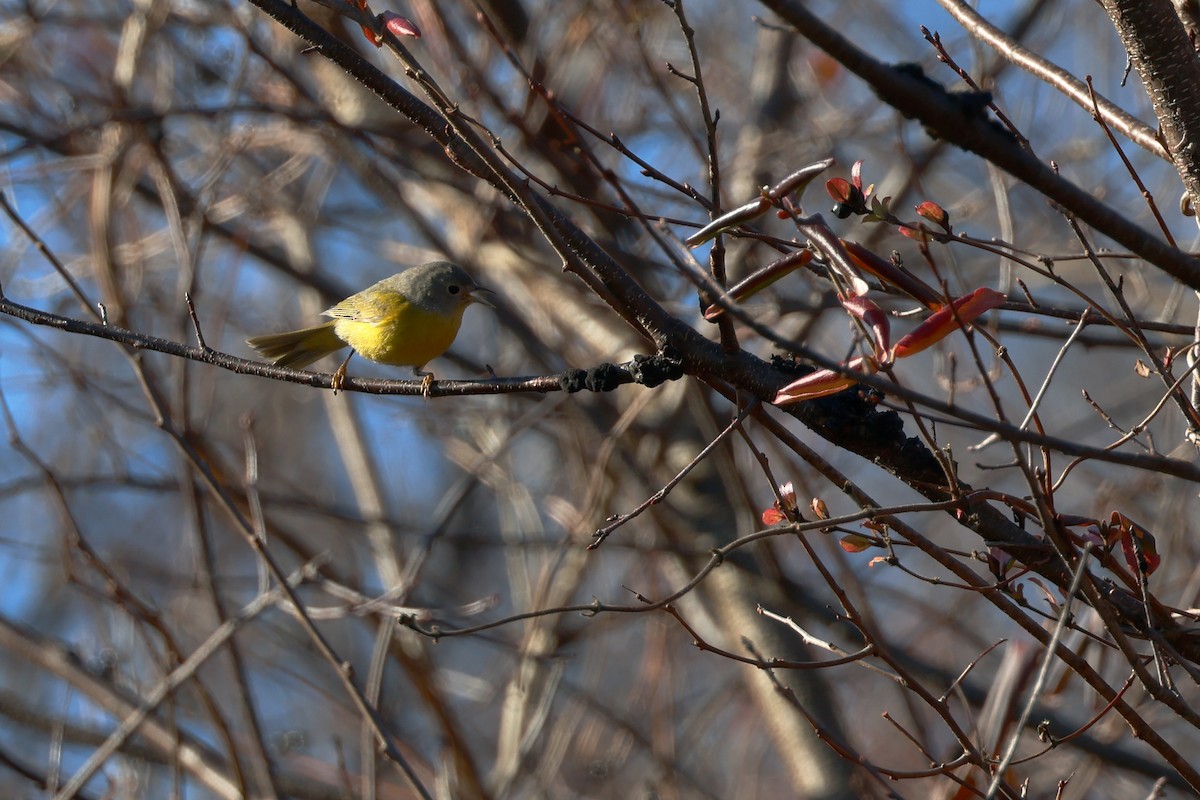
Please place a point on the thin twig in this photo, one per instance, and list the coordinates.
(184, 672)
(1040, 683)
(1054, 75)
(617, 520)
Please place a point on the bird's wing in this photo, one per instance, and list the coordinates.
(373, 308)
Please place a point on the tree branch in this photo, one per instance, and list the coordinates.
(952, 119)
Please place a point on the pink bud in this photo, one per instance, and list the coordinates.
(398, 25)
(787, 491)
(819, 508)
(935, 214)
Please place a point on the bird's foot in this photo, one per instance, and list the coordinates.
(339, 375)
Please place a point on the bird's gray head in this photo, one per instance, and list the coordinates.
(439, 287)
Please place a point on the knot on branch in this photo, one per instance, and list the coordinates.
(600, 378)
(649, 371)
(790, 366)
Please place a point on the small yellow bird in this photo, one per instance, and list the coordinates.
(406, 320)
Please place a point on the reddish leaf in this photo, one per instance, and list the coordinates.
(823, 382)
(891, 274)
(943, 322)
(773, 516)
(853, 543)
(798, 181)
(761, 279)
(839, 189)
(729, 220)
(784, 509)
(1137, 543)
(876, 321)
(935, 214)
(838, 260)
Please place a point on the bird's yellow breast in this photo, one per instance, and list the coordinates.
(404, 335)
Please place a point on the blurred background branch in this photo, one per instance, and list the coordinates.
(266, 159)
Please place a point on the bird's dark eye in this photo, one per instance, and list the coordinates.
(455, 289)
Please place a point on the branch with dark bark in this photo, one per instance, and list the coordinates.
(952, 118)
(1160, 51)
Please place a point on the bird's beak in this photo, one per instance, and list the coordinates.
(481, 295)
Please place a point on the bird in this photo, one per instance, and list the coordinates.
(406, 320)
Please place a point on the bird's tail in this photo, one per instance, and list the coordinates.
(298, 348)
